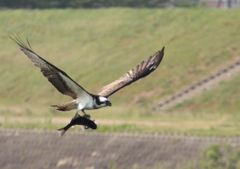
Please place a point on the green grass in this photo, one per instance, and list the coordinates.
(223, 99)
(97, 46)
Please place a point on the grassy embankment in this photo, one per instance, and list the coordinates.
(97, 46)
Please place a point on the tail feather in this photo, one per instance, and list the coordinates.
(66, 106)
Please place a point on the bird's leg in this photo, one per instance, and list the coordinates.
(86, 115)
(77, 112)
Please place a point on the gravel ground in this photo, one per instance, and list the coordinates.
(38, 149)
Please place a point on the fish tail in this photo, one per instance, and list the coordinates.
(61, 131)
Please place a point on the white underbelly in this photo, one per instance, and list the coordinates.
(85, 103)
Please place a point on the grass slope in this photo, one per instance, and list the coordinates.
(97, 46)
(214, 111)
(223, 99)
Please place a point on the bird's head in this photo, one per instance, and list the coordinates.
(102, 102)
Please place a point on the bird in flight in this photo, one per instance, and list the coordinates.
(82, 99)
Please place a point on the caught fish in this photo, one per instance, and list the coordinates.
(85, 121)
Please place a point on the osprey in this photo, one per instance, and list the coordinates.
(83, 100)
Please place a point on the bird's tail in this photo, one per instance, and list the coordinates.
(67, 106)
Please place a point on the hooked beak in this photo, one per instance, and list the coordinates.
(109, 103)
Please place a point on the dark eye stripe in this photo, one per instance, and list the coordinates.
(98, 101)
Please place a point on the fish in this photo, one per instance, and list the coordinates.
(85, 121)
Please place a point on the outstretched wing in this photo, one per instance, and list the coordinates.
(59, 79)
(140, 71)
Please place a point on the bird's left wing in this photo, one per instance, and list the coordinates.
(59, 79)
(140, 71)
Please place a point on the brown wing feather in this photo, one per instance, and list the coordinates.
(140, 71)
(59, 79)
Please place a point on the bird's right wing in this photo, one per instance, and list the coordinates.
(138, 72)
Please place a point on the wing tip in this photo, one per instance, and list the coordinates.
(162, 50)
(21, 43)
(159, 53)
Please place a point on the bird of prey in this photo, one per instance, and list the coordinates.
(82, 99)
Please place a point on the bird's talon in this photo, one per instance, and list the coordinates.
(87, 116)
